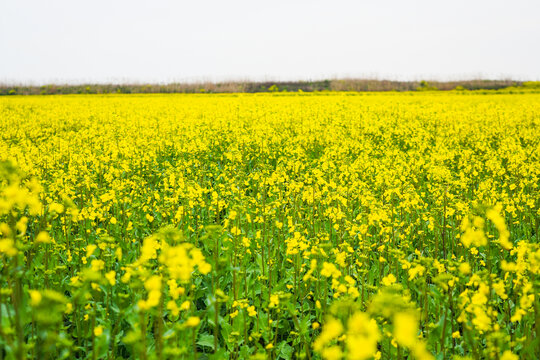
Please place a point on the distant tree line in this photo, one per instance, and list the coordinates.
(266, 86)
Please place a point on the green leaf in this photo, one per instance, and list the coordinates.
(285, 350)
(206, 340)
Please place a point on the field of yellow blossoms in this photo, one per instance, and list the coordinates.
(270, 226)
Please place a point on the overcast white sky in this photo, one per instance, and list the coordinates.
(164, 41)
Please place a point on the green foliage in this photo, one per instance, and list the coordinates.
(425, 86)
(531, 84)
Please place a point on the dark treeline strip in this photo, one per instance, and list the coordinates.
(255, 87)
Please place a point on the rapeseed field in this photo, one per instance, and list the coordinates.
(270, 226)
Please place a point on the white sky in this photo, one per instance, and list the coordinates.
(44, 41)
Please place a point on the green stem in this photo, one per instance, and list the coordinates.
(142, 318)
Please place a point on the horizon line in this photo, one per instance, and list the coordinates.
(196, 81)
